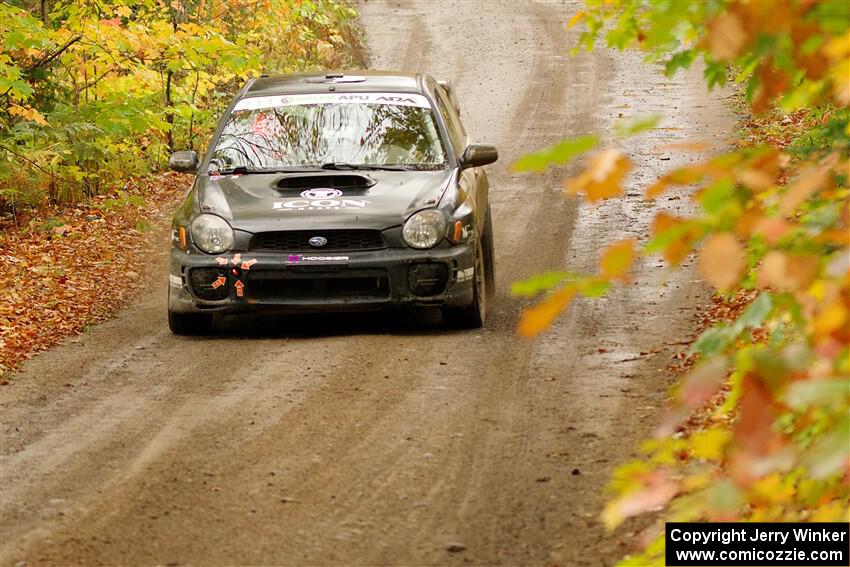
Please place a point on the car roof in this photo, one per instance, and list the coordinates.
(336, 81)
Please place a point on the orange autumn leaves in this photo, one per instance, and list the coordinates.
(750, 228)
(724, 257)
(742, 25)
(537, 319)
(617, 259)
(677, 234)
(603, 177)
(614, 264)
(763, 416)
(722, 261)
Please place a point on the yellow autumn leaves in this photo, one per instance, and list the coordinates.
(27, 113)
(616, 260)
(742, 25)
(537, 319)
(614, 264)
(603, 177)
(723, 258)
(770, 229)
(838, 53)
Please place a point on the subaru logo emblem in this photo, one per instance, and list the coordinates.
(321, 193)
(318, 241)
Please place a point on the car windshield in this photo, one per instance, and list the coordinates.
(338, 130)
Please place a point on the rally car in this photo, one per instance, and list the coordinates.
(334, 192)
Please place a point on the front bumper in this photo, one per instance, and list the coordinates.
(316, 281)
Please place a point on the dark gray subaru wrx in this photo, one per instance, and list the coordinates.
(334, 192)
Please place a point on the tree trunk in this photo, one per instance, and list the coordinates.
(175, 10)
(169, 117)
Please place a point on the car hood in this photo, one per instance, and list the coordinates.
(264, 202)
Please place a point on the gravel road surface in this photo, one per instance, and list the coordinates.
(352, 440)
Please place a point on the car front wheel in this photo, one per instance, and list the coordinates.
(189, 323)
(473, 315)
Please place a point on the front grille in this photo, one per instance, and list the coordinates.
(299, 240)
(344, 284)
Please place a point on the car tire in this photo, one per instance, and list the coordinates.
(489, 255)
(190, 324)
(473, 315)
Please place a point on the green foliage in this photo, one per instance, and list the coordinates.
(123, 201)
(559, 154)
(778, 49)
(100, 91)
(540, 283)
(633, 126)
(717, 338)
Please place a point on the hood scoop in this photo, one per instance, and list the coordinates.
(329, 180)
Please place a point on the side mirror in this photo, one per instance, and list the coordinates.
(478, 155)
(185, 161)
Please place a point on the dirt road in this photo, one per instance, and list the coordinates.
(363, 441)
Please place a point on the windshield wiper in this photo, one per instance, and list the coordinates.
(239, 170)
(342, 166)
(337, 166)
(244, 170)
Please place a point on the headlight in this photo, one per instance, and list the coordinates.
(425, 229)
(212, 234)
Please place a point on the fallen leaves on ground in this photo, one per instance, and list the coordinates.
(68, 269)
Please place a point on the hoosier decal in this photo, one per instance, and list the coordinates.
(298, 258)
(393, 99)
